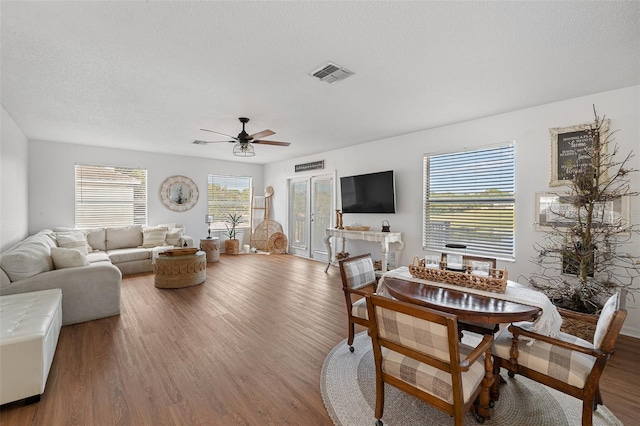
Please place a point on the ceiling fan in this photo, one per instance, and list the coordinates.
(242, 141)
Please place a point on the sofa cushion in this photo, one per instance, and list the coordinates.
(46, 238)
(97, 238)
(124, 237)
(4, 280)
(98, 256)
(26, 260)
(68, 258)
(73, 240)
(129, 254)
(173, 236)
(153, 236)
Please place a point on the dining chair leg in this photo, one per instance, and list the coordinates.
(587, 412)
(379, 400)
(598, 399)
(352, 333)
(497, 380)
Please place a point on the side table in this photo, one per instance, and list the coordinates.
(211, 246)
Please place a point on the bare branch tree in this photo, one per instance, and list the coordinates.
(581, 264)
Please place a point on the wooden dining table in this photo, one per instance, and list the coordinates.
(480, 313)
(466, 306)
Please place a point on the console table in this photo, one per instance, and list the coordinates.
(384, 238)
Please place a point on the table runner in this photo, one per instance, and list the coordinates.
(548, 323)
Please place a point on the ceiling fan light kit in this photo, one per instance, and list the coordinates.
(243, 150)
(243, 141)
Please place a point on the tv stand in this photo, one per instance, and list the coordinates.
(384, 238)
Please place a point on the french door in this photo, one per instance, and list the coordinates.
(310, 214)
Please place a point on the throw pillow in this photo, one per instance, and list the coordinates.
(26, 261)
(153, 236)
(604, 320)
(68, 258)
(73, 240)
(174, 235)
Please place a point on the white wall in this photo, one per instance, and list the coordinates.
(529, 128)
(14, 180)
(51, 182)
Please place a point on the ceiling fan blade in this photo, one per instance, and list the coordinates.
(263, 134)
(263, 142)
(221, 134)
(199, 142)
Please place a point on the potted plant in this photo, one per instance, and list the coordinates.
(583, 262)
(232, 245)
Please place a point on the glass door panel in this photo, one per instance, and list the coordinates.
(322, 211)
(299, 217)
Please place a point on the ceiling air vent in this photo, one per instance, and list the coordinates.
(330, 73)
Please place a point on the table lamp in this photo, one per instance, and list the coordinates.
(208, 219)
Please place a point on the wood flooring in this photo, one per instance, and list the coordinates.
(244, 348)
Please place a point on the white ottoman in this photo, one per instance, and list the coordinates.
(29, 329)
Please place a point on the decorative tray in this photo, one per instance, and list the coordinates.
(495, 281)
(357, 228)
(179, 252)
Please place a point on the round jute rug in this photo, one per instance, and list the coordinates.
(348, 389)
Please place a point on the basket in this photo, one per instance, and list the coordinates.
(496, 281)
(262, 233)
(277, 243)
(578, 324)
(357, 228)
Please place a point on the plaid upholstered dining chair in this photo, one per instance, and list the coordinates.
(358, 280)
(565, 362)
(416, 350)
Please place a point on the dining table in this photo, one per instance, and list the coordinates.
(517, 303)
(483, 310)
(466, 306)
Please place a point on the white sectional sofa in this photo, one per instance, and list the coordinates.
(87, 265)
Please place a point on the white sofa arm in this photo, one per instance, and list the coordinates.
(88, 292)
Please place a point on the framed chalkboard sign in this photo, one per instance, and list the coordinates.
(570, 150)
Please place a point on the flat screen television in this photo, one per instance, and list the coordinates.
(370, 193)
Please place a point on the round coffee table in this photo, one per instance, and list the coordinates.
(180, 271)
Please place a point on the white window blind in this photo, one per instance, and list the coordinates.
(229, 195)
(469, 199)
(110, 196)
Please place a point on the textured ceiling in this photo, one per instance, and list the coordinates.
(149, 75)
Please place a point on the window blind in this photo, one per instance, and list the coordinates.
(110, 196)
(229, 195)
(469, 198)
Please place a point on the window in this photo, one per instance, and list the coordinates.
(110, 196)
(229, 194)
(469, 198)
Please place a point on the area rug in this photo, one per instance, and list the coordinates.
(347, 384)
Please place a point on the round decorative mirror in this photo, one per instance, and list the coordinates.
(179, 193)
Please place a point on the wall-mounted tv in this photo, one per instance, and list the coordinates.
(370, 193)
